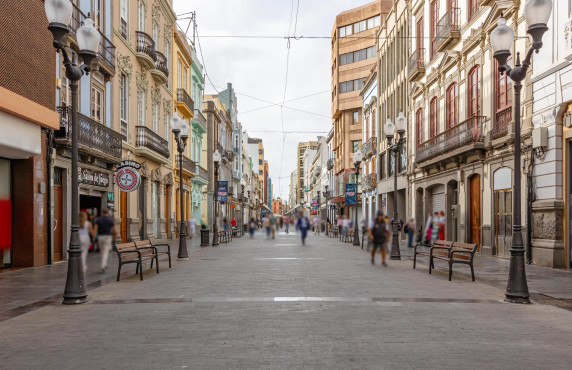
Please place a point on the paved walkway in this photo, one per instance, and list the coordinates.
(275, 304)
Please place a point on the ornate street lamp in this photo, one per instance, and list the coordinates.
(537, 14)
(357, 162)
(59, 13)
(180, 129)
(242, 185)
(389, 129)
(216, 160)
(327, 196)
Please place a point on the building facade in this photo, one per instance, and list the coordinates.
(353, 55)
(369, 145)
(301, 151)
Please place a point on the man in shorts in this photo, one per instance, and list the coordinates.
(379, 235)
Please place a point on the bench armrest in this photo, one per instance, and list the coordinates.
(163, 245)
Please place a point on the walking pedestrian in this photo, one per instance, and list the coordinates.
(379, 235)
(410, 230)
(252, 227)
(428, 228)
(435, 226)
(287, 222)
(85, 230)
(225, 224)
(273, 223)
(281, 223)
(266, 225)
(317, 225)
(346, 225)
(106, 234)
(442, 225)
(192, 226)
(303, 224)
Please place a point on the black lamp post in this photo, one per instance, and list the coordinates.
(248, 203)
(216, 160)
(389, 129)
(181, 131)
(537, 14)
(357, 162)
(326, 195)
(59, 13)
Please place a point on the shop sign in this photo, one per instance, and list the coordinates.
(127, 178)
(222, 192)
(92, 177)
(110, 200)
(350, 194)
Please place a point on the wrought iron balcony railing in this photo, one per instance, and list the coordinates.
(502, 119)
(465, 133)
(448, 29)
(92, 135)
(106, 50)
(149, 139)
(330, 163)
(146, 45)
(200, 118)
(185, 101)
(202, 173)
(370, 147)
(161, 63)
(369, 181)
(416, 64)
(188, 164)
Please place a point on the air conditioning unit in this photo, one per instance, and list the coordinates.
(540, 137)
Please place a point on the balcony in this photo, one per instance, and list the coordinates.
(184, 102)
(106, 50)
(145, 50)
(160, 72)
(189, 166)
(150, 145)
(369, 182)
(465, 137)
(502, 120)
(370, 147)
(201, 175)
(416, 65)
(200, 120)
(93, 138)
(448, 29)
(330, 164)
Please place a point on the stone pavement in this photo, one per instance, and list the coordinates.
(275, 304)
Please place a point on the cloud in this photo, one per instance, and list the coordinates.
(257, 67)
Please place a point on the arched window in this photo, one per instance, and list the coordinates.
(503, 100)
(452, 109)
(434, 117)
(475, 92)
(419, 125)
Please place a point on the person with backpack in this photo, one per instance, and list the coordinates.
(379, 235)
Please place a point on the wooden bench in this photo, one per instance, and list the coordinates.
(150, 244)
(458, 253)
(441, 247)
(129, 253)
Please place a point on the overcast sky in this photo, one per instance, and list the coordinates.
(257, 68)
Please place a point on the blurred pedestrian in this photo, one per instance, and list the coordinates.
(410, 230)
(85, 230)
(266, 225)
(317, 225)
(435, 222)
(303, 224)
(379, 235)
(428, 228)
(287, 222)
(273, 223)
(442, 225)
(192, 226)
(252, 227)
(106, 234)
(225, 223)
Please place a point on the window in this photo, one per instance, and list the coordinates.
(168, 57)
(97, 9)
(184, 86)
(434, 19)
(180, 74)
(346, 86)
(475, 92)
(123, 105)
(419, 124)
(383, 166)
(355, 118)
(156, 34)
(140, 107)
(124, 15)
(452, 108)
(96, 104)
(141, 16)
(419, 35)
(503, 89)
(155, 117)
(473, 8)
(65, 92)
(346, 30)
(355, 146)
(166, 127)
(359, 26)
(434, 117)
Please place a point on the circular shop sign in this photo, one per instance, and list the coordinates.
(127, 179)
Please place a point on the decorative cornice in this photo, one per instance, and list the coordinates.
(142, 81)
(144, 169)
(156, 95)
(156, 13)
(124, 64)
(168, 178)
(167, 107)
(156, 174)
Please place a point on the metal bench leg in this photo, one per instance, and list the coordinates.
(450, 270)
(472, 272)
(119, 270)
(140, 264)
(152, 263)
(136, 269)
(169, 254)
(414, 259)
(430, 264)
(157, 260)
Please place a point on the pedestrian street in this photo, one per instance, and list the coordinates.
(275, 304)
